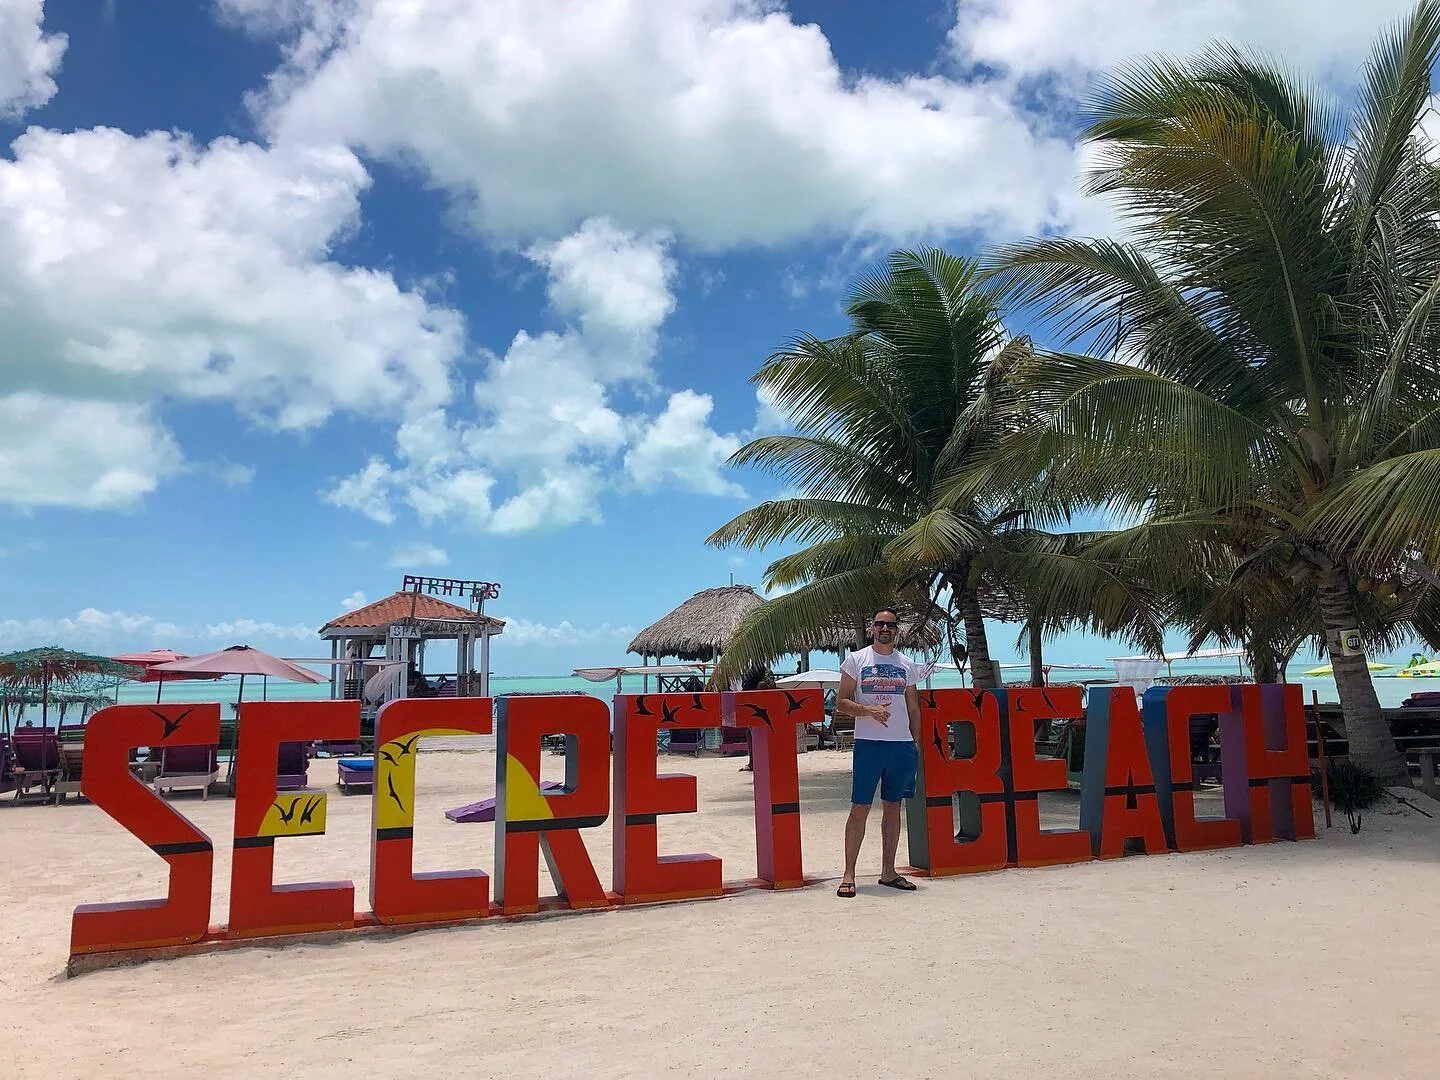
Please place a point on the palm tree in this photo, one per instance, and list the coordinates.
(887, 418)
(1275, 362)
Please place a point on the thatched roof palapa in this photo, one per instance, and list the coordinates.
(700, 628)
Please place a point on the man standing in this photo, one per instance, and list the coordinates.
(877, 687)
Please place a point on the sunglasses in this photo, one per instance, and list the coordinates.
(885, 624)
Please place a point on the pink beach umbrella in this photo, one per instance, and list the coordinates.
(240, 660)
(148, 663)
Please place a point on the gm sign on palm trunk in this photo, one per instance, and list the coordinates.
(1137, 793)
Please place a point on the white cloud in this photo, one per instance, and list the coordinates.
(234, 475)
(418, 556)
(679, 446)
(29, 57)
(96, 455)
(112, 631)
(355, 600)
(244, 631)
(525, 632)
(1072, 38)
(722, 121)
(136, 267)
(540, 440)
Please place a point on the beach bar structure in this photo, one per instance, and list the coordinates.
(401, 629)
(698, 630)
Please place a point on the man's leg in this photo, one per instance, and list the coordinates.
(854, 837)
(889, 839)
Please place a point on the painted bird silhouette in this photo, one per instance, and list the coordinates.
(928, 700)
(307, 814)
(792, 704)
(171, 726)
(287, 817)
(405, 747)
(761, 714)
(641, 709)
(696, 703)
(978, 696)
(938, 739)
(390, 783)
(386, 755)
(667, 714)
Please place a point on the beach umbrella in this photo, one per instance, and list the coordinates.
(53, 667)
(1314, 673)
(818, 679)
(149, 662)
(240, 660)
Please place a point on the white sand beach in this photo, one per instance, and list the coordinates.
(1310, 959)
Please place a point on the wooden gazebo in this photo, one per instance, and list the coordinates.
(398, 630)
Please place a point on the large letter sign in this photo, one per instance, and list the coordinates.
(398, 895)
(642, 797)
(982, 842)
(259, 908)
(527, 818)
(772, 716)
(183, 916)
(1167, 715)
(1117, 791)
(1031, 845)
(1138, 792)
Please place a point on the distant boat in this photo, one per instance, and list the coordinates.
(1318, 672)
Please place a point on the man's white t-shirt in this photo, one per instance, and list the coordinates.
(881, 679)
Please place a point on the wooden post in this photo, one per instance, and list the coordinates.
(1320, 754)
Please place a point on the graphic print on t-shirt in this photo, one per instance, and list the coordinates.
(882, 680)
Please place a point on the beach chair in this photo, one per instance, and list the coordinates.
(187, 767)
(36, 760)
(72, 757)
(292, 766)
(687, 741)
(8, 782)
(355, 774)
(843, 728)
(1204, 754)
(734, 740)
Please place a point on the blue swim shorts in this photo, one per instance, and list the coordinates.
(889, 763)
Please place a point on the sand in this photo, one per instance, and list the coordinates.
(1310, 959)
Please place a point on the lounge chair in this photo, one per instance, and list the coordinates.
(355, 774)
(35, 754)
(734, 740)
(1204, 755)
(687, 741)
(72, 756)
(187, 767)
(8, 782)
(843, 728)
(293, 766)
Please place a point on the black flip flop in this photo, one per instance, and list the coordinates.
(897, 882)
(846, 889)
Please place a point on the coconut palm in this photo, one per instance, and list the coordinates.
(1274, 361)
(886, 417)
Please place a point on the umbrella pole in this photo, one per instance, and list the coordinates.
(158, 687)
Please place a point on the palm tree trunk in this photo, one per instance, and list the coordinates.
(1036, 629)
(1371, 743)
(976, 644)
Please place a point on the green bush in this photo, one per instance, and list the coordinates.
(1353, 789)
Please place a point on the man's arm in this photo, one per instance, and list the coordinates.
(912, 708)
(846, 705)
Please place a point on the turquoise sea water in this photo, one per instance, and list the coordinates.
(1392, 691)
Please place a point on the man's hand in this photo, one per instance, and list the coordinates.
(879, 712)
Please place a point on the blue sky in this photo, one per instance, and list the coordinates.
(298, 296)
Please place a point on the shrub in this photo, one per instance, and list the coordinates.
(1353, 789)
